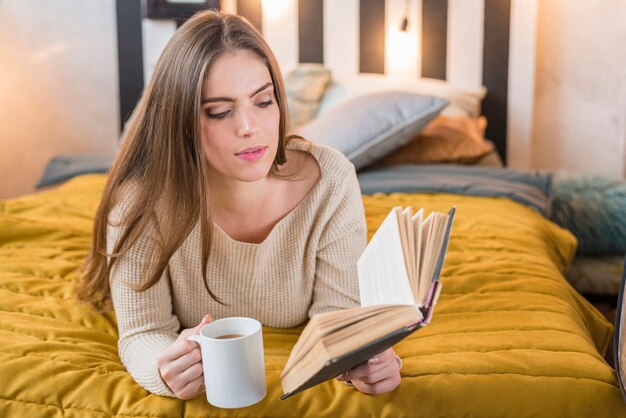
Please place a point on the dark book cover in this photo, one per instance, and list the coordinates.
(618, 335)
(339, 365)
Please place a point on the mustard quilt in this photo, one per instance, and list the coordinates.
(510, 336)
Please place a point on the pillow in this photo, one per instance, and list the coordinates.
(447, 139)
(368, 127)
(596, 275)
(65, 167)
(305, 86)
(592, 207)
(461, 100)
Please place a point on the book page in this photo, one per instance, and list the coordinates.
(408, 242)
(324, 324)
(417, 221)
(426, 228)
(383, 276)
(391, 319)
(433, 252)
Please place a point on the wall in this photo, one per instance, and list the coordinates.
(580, 91)
(567, 73)
(567, 70)
(58, 85)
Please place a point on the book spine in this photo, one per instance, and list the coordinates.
(444, 246)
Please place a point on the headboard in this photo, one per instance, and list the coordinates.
(468, 43)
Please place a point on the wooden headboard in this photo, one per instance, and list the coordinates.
(468, 43)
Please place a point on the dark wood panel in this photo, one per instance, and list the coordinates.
(496, 71)
(372, 36)
(434, 38)
(311, 31)
(180, 12)
(130, 53)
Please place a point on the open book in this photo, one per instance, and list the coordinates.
(399, 285)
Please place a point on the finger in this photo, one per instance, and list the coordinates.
(191, 373)
(374, 367)
(364, 369)
(191, 389)
(178, 349)
(195, 330)
(387, 355)
(373, 389)
(180, 380)
(381, 357)
(207, 318)
(170, 369)
(383, 386)
(379, 375)
(187, 360)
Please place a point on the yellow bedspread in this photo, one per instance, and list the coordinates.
(510, 337)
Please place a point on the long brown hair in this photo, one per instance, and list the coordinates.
(161, 154)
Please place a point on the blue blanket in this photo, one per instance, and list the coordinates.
(527, 187)
(531, 188)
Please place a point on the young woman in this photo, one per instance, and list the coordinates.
(210, 211)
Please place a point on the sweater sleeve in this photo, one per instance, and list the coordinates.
(145, 321)
(344, 238)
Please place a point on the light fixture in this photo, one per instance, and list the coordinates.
(404, 24)
(402, 42)
(275, 9)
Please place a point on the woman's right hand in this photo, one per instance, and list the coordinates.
(180, 364)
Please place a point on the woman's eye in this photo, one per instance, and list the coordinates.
(265, 104)
(220, 115)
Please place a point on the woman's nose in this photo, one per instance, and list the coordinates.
(246, 123)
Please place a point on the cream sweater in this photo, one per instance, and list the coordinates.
(307, 265)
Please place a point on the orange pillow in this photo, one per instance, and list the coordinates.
(447, 139)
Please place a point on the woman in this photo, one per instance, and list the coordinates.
(210, 210)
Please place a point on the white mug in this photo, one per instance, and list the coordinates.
(234, 368)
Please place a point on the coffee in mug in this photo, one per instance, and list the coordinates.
(228, 336)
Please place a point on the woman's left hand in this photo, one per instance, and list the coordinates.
(380, 374)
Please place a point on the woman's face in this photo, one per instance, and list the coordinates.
(239, 117)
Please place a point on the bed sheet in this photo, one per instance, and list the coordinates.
(510, 336)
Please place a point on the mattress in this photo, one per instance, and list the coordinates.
(510, 336)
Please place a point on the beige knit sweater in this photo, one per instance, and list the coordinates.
(305, 266)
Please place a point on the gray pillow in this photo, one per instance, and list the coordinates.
(368, 127)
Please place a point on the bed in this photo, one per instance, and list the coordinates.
(510, 336)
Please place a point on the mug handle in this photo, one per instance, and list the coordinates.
(195, 338)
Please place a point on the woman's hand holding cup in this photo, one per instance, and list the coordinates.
(180, 364)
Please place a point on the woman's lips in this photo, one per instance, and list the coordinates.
(252, 153)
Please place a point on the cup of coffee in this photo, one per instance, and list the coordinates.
(232, 361)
